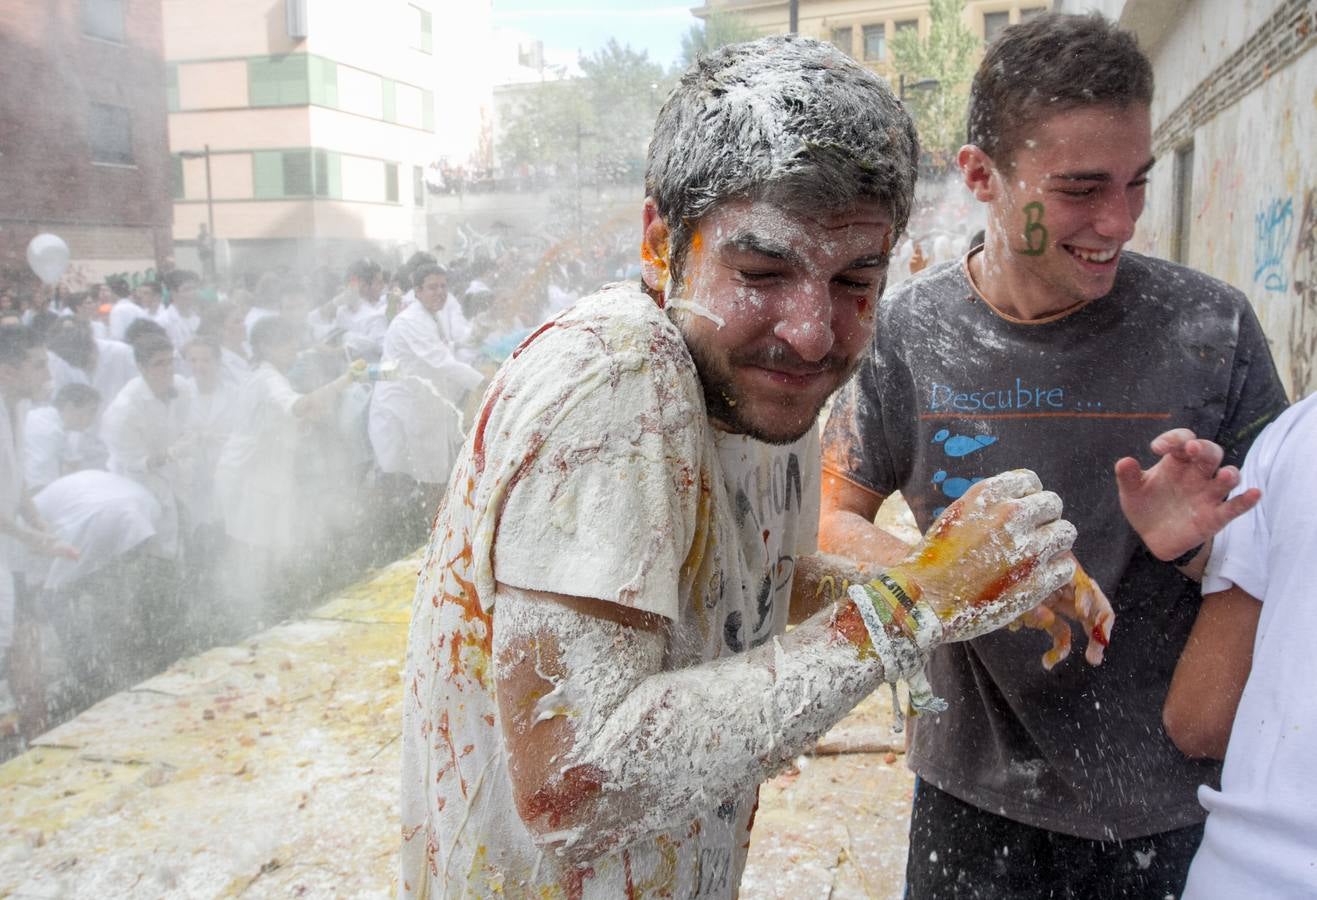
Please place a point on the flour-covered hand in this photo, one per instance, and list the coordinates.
(996, 553)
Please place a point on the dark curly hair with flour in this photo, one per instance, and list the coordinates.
(784, 119)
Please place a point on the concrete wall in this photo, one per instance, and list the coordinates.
(1238, 80)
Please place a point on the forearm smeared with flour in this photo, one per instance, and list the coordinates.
(605, 747)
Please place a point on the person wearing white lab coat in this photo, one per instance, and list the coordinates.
(143, 428)
(255, 476)
(55, 436)
(415, 424)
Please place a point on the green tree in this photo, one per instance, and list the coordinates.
(948, 56)
(719, 29)
(595, 127)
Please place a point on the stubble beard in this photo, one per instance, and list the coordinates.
(725, 404)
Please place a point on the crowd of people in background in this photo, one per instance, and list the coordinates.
(173, 446)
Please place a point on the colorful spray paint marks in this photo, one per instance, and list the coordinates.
(1303, 315)
(1035, 232)
(1274, 226)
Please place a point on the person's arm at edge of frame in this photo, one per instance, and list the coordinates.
(588, 777)
(1209, 678)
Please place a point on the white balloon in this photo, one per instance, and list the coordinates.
(48, 256)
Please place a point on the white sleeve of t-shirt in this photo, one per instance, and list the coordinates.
(603, 471)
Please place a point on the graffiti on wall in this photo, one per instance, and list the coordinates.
(1303, 317)
(1274, 227)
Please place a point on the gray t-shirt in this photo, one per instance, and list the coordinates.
(953, 392)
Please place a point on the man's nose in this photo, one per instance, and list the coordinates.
(805, 322)
(1116, 217)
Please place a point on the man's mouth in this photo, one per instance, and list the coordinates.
(1093, 257)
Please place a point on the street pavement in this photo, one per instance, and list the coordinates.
(270, 769)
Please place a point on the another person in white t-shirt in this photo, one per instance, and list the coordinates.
(125, 310)
(256, 485)
(1243, 689)
(55, 435)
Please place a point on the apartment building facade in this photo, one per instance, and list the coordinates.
(82, 135)
(300, 129)
(864, 28)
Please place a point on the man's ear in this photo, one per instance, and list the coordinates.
(979, 171)
(654, 249)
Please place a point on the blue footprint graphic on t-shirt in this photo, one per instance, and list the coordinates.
(954, 487)
(958, 445)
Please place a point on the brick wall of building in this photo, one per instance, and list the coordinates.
(52, 74)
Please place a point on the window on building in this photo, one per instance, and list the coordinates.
(171, 86)
(278, 80)
(110, 133)
(176, 185)
(875, 43)
(277, 174)
(390, 182)
(421, 24)
(427, 110)
(1183, 176)
(907, 25)
(1032, 13)
(390, 105)
(297, 178)
(323, 77)
(993, 23)
(103, 19)
(418, 186)
(841, 39)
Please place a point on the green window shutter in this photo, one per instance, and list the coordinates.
(390, 99)
(298, 181)
(427, 32)
(390, 182)
(278, 81)
(324, 81)
(427, 110)
(267, 174)
(418, 186)
(171, 86)
(336, 176)
(176, 177)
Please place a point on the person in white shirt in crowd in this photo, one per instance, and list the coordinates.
(180, 318)
(54, 443)
(37, 303)
(256, 477)
(125, 310)
(1242, 690)
(360, 315)
(76, 356)
(24, 377)
(415, 422)
(100, 312)
(265, 301)
(150, 295)
(93, 602)
(209, 426)
(408, 274)
(223, 324)
(144, 429)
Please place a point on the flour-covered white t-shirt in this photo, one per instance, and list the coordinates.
(1261, 835)
(592, 470)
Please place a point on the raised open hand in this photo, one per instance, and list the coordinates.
(1181, 501)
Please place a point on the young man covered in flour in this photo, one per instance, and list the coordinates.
(1051, 347)
(597, 675)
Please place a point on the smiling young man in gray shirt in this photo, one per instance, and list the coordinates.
(1054, 348)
